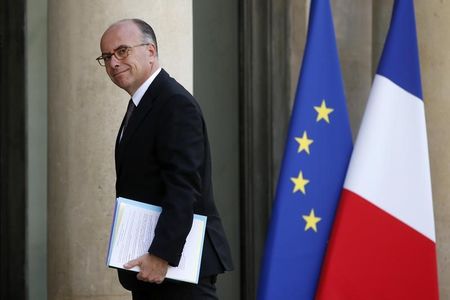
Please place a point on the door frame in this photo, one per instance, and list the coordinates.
(265, 85)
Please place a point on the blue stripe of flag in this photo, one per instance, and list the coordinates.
(400, 59)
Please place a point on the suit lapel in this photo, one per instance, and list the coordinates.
(144, 107)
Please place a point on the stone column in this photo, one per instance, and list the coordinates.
(84, 114)
(36, 115)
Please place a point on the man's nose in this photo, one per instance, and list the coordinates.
(113, 62)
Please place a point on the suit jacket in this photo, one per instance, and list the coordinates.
(164, 159)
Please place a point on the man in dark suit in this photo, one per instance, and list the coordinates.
(162, 158)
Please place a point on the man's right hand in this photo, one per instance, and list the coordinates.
(152, 268)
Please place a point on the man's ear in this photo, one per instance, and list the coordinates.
(152, 50)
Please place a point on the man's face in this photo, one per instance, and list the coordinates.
(130, 72)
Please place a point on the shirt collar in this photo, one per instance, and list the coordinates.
(137, 96)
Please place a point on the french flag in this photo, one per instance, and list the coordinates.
(383, 243)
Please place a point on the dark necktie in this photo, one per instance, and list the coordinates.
(130, 109)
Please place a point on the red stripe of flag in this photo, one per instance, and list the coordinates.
(376, 256)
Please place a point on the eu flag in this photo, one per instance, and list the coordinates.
(316, 156)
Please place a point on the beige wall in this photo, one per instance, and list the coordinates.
(85, 110)
(353, 27)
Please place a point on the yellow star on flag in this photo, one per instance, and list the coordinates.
(323, 112)
(303, 143)
(300, 183)
(311, 221)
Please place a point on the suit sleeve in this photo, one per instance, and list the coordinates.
(180, 152)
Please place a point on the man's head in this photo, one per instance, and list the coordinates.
(130, 53)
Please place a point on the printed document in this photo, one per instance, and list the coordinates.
(132, 233)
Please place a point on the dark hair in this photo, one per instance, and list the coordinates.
(147, 32)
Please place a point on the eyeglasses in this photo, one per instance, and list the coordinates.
(120, 53)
